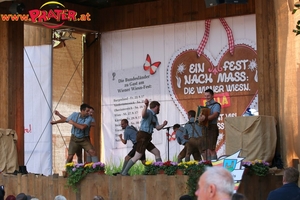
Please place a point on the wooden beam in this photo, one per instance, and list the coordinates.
(12, 81)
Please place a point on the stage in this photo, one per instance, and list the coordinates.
(139, 187)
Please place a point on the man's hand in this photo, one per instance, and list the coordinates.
(146, 102)
(165, 122)
(56, 112)
(53, 122)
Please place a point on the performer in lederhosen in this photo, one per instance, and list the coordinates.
(181, 139)
(211, 133)
(144, 135)
(194, 132)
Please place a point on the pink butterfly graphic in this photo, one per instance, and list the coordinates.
(151, 67)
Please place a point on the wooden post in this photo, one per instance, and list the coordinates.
(11, 81)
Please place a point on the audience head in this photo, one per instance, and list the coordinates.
(2, 192)
(238, 196)
(98, 198)
(215, 183)
(10, 197)
(60, 197)
(23, 196)
(186, 197)
(290, 175)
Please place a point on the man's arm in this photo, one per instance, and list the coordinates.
(58, 121)
(61, 120)
(159, 127)
(209, 117)
(121, 138)
(60, 115)
(213, 116)
(79, 126)
(144, 111)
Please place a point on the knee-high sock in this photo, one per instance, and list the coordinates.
(136, 156)
(156, 153)
(127, 168)
(124, 165)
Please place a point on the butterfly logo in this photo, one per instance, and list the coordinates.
(151, 67)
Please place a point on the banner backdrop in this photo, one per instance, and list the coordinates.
(37, 109)
(174, 64)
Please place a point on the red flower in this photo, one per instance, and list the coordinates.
(167, 163)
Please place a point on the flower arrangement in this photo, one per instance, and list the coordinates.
(257, 167)
(170, 167)
(76, 172)
(194, 170)
(152, 168)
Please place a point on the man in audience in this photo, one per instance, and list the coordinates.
(290, 189)
(216, 183)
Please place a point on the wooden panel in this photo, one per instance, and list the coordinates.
(170, 11)
(92, 25)
(37, 35)
(92, 84)
(110, 187)
(12, 80)
(266, 58)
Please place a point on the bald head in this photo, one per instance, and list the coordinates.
(215, 183)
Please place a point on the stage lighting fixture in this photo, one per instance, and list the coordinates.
(236, 1)
(210, 3)
(16, 8)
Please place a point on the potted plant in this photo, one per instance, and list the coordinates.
(194, 170)
(152, 168)
(257, 167)
(76, 172)
(170, 167)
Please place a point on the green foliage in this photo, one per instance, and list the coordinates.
(257, 167)
(297, 30)
(136, 169)
(152, 168)
(77, 172)
(194, 170)
(110, 168)
(171, 169)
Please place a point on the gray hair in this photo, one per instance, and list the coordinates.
(60, 197)
(221, 178)
(98, 198)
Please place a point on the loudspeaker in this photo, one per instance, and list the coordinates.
(210, 3)
(236, 1)
(16, 8)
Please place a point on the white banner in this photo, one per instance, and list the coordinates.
(37, 109)
(164, 48)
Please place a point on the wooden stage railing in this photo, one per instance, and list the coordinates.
(139, 187)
